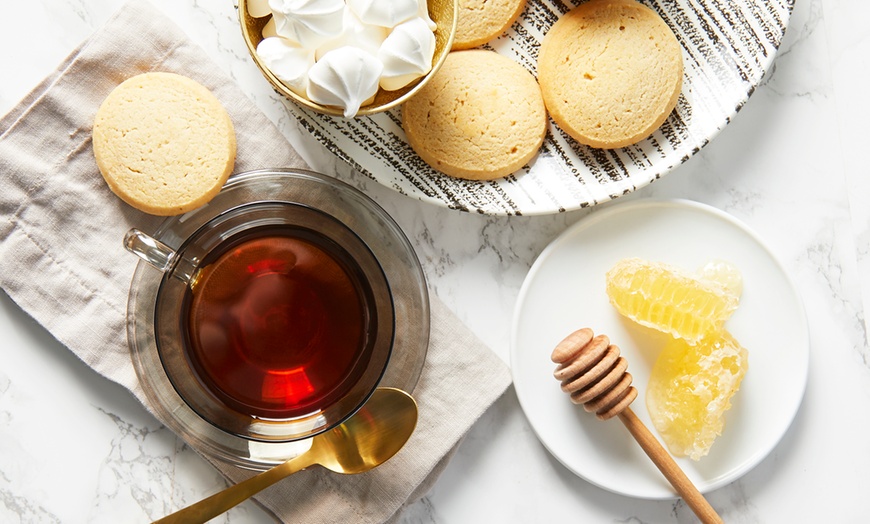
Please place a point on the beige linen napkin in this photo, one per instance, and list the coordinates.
(62, 261)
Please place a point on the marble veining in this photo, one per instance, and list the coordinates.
(138, 467)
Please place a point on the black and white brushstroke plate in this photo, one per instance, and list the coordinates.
(728, 45)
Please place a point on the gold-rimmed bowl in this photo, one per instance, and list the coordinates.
(442, 12)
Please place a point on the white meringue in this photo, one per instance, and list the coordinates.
(387, 13)
(259, 8)
(364, 36)
(346, 77)
(423, 12)
(269, 29)
(340, 53)
(308, 22)
(287, 61)
(406, 54)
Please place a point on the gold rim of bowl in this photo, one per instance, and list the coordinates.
(442, 12)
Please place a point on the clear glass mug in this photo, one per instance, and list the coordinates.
(227, 397)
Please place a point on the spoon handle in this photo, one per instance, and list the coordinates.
(663, 460)
(210, 507)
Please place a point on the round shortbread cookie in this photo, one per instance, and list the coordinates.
(164, 143)
(479, 21)
(610, 72)
(480, 117)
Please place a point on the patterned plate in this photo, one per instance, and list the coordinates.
(727, 47)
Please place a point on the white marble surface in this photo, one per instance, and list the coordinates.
(77, 448)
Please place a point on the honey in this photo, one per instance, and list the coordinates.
(701, 367)
(690, 389)
(665, 298)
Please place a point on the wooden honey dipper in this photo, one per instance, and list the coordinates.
(594, 374)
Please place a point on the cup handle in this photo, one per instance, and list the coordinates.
(149, 249)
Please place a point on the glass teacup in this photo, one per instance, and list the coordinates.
(274, 319)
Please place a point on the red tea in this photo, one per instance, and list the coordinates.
(279, 323)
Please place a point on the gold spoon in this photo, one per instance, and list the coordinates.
(366, 440)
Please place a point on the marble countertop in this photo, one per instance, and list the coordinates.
(790, 166)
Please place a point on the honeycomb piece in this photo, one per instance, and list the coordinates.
(724, 273)
(690, 389)
(668, 299)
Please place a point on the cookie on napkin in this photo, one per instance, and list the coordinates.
(610, 72)
(164, 143)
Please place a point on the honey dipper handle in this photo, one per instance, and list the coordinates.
(669, 468)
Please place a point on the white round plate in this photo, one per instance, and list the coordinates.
(727, 48)
(565, 290)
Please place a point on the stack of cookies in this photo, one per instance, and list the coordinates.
(609, 74)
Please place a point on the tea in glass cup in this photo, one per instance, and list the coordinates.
(272, 320)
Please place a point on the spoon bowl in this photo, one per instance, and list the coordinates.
(370, 437)
(364, 441)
